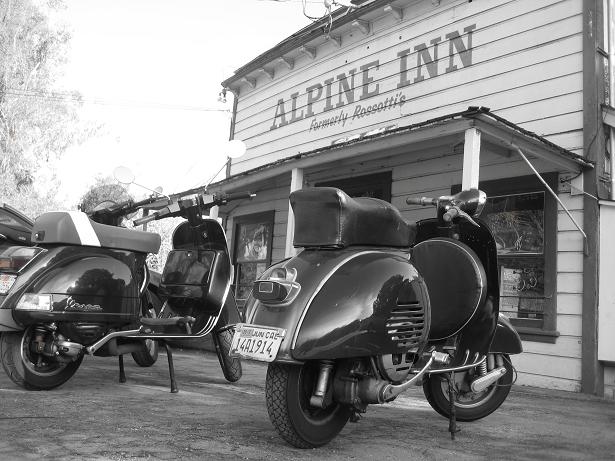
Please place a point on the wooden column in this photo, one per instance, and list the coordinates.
(471, 159)
(296, 182)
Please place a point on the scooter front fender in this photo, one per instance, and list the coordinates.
(506, 339)
(352, 303)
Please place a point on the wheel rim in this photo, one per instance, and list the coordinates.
(467, 398)
(48, 366)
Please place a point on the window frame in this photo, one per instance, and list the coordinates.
(358, 185)
(267, 218)
(524, 185)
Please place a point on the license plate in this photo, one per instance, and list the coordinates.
(256, 342)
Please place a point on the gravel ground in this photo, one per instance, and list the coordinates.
(93, 417)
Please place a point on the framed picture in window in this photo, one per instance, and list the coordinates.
(252, 250)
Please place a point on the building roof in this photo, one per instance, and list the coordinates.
(495, 130)
(339, 18)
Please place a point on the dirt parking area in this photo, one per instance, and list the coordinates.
(94, 417)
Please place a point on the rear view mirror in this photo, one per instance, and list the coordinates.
(124, 175)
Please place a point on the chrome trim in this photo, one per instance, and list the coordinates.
(145, 279)
(105, 339)
(464, 367)
(319, 287)
(390, 391)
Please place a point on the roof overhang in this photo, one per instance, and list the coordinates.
(446, 130)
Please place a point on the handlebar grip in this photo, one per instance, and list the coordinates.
(144, 219)
(450, 214)
(423, 201)
(237, 196)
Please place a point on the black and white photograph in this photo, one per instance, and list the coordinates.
(307, 229)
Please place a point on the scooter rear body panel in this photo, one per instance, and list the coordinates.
(87, 284)
(352, 302)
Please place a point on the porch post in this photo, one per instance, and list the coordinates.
(296, 182)
(471, 159)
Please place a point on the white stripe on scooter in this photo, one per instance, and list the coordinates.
(84, 228)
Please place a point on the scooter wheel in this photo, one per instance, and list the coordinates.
(25, 369)
(469, 406)
(288, 389)
(231, 366)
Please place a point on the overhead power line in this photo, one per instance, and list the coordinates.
(70, 97)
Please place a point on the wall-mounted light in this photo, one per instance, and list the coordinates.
(222, 96)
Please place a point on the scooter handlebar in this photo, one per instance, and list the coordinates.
(144, 220)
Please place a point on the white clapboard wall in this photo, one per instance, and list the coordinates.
(521, 58)
(525, 64)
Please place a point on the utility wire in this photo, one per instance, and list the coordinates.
(59, 96)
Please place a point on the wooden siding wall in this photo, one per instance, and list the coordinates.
(556, 366)
(525, 64)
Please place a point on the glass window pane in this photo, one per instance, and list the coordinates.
(517, 222)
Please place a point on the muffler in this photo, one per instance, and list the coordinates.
(483, 382)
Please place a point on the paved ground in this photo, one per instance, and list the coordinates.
(94, 417)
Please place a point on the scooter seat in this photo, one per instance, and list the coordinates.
(75, 228)
(328, 217)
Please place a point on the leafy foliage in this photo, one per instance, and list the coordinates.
(36, 124)
(103, 190)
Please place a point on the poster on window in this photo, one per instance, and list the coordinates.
(522, 289)
(253, 242)
(517, 223)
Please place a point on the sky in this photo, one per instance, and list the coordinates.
(150, 73)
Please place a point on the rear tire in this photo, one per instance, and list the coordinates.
(231, 366)
(288, 389)
(471, 406)
(23, 367)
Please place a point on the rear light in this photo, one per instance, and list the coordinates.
(14, 258)
(279, 287)
(34, 302)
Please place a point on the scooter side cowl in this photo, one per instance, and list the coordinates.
(352, 302)
(90, 285)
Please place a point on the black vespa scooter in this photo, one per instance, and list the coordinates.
(372, 305)
(82, 290)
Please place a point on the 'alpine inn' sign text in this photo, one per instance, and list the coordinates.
(350, 83)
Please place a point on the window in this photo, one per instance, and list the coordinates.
(252, 250)
(372, 185)
(522, 216)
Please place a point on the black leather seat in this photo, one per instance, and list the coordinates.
(75, 228)
(328, 217)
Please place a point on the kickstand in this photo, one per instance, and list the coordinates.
(171, 368)
(452, 420)
(122, 373)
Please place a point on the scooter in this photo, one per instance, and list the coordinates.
(374, 305)
(82, 290)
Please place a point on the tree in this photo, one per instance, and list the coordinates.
(103, 190)
(36, 124)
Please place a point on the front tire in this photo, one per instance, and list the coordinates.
(149, 355)
(24, 368)
(469, 406)
(288, 389)
(231, 366)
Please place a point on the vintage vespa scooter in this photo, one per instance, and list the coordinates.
(372, 305)
(83, 291)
